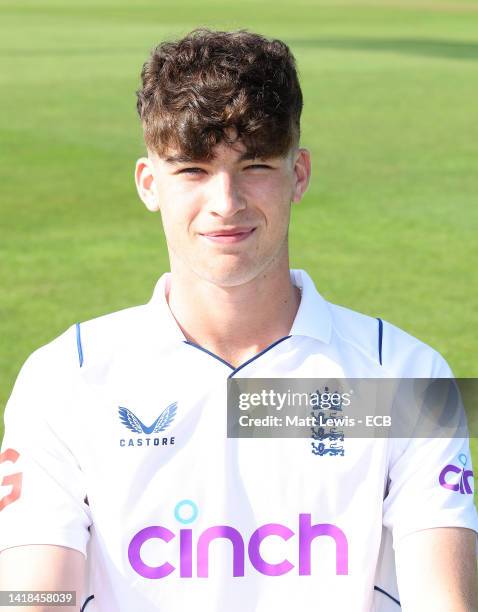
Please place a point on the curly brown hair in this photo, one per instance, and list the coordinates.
(196, 89)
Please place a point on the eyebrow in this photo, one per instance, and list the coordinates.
(186, 159)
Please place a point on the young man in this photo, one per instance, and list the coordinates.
(116, 444)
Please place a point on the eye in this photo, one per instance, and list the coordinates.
(190, 171)
(258, 166)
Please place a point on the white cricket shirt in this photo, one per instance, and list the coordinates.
(115, 445)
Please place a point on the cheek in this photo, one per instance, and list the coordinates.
(178, 211)
(276, 209)
(275, 195)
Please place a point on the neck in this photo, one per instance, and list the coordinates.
(234, 323)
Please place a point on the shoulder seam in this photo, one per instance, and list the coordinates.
(380, 338)
(79, 346)
(358, 347)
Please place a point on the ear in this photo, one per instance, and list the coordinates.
(302, 169)
(145, 184)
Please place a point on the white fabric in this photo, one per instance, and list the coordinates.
(64, 421)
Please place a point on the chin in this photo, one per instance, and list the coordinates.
(230, 276)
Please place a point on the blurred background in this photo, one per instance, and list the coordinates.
(388, 227)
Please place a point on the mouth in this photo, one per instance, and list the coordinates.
(230, 235)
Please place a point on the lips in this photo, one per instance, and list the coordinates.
(235, 234)
(229, 232)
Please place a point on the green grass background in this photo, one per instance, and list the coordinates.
(389, 226)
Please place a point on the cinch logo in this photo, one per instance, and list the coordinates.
(131, 421)
(463, 486)
(306, 534)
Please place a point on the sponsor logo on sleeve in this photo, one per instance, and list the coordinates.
(456, 478)
(13, 480)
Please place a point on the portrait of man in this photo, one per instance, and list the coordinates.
(122, 484)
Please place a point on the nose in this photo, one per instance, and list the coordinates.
(225, 198)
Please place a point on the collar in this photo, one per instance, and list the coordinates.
(313, 317)
(312, 320)
(169, 330)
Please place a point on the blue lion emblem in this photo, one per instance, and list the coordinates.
(164, 420)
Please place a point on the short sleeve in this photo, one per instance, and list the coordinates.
(42, 487)
(430, 480)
